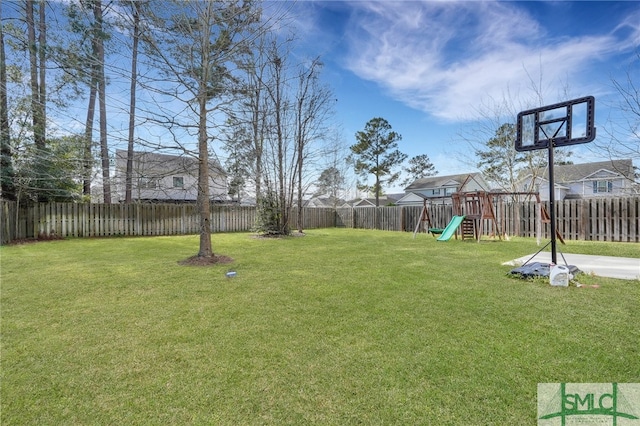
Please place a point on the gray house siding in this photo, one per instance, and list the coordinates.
(614, 178)
(167, 178)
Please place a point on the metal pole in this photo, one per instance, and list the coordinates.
(552, 207)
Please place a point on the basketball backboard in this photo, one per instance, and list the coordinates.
(565, 123)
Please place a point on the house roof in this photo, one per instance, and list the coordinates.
(323, 202)
(393, 197)
(576, 172)
(168, 163)
(442, 181)
(384, 200)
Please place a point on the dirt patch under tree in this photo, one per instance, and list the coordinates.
(206, 261)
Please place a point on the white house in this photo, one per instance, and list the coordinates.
(167, 178)
(438, 189)
(612, 178)
(412, 199)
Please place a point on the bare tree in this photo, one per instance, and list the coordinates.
(313, 107)
(279, 106)
(247, 125)
(491, 140)
(298, 107)
(622, 130)
(498, 160)
(336, 176)
(196, 44)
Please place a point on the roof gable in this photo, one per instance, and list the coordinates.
(602, 174)
(412, 197)
(364, 203)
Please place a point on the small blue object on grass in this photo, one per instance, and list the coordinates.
(231, 274)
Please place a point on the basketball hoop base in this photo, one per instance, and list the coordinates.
(539, 270)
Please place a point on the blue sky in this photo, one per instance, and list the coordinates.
(434, 70)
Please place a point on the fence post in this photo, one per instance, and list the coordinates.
(634, 214)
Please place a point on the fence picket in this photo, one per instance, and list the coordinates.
(633, 220)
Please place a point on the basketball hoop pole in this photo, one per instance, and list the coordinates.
(552, 188)
(552, 207)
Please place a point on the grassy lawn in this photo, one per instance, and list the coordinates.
(336, 327)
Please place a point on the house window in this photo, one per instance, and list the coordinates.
(436, 192)
(178, 182)
(148, 183)
(449, 191)
(602, 186)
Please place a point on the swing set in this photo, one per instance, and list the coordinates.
(472, 210)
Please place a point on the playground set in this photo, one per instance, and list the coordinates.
(566, 123)
(472, 210)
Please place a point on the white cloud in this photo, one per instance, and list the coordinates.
(444, 58)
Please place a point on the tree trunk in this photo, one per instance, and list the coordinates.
(278, 107)
(36, 102)
(7, 188)
(42, 43)
(87, 163)
(204, 204)
(203, 182)
(300, 142)
(132, 102)
(377, 190)
(300, 217)
(299, 161)
(258, 142)
(104, 148)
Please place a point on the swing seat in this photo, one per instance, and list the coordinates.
(436, 231)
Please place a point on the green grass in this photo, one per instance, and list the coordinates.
(337, 327)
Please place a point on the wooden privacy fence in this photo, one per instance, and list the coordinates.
(604, 219)
(596, 219)
(104, 220)
(601, 219)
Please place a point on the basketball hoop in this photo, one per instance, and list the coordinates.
(562, 124)
(566, 123)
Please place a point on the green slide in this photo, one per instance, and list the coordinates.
(451, 228)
